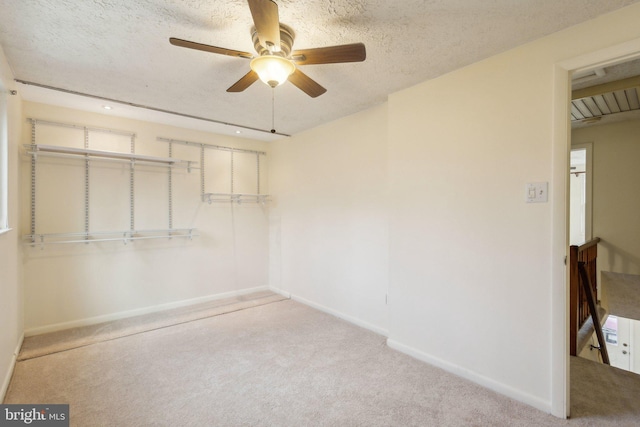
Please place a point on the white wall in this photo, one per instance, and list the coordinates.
(471, 263)
(616, 199)
(67, 285)
(329, 230)
(11, 306)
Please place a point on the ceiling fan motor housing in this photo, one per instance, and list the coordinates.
(286, 42)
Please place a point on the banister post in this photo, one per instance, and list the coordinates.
(574, 278)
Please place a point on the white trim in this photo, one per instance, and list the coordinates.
(280, 292)
(351, 319)
(559, 277)
(606, 57)
(137, 312)
(12, 366)
(467, 374)
(5, 230)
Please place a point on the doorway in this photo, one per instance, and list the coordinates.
(580, 194)
(612, 55)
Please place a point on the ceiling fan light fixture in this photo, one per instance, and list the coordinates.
(272, 69)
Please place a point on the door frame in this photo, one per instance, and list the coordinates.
(559, 196)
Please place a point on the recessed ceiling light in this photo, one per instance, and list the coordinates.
(238, 131)
(107, 107)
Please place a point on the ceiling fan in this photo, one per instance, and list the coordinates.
(276, 62)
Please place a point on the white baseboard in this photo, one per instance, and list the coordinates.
(489, 383)
(12, 366)
(137, 312)
(351, 319)
(280, 292)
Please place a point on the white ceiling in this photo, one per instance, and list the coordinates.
(119, 49)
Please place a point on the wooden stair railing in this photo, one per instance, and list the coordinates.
(595, 317)
(579, 310)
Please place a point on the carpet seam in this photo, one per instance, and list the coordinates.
(150, 330)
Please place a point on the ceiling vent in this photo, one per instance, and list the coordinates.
(605, 99)
(588, 75)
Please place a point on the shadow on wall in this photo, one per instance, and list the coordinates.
(619, 260)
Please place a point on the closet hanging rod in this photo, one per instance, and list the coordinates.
(212, 146)
(89, 128)
(106, 159)
(83, 152)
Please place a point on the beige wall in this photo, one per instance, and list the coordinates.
(469, 259)
(421, 198)
(11, 306)
(476, 279)
(329, 229)
(476, 274)
(616, 195)
(72, 284)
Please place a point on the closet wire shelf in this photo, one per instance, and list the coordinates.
(88, 155)
(232, 196)
(84, 153)
(108, 236)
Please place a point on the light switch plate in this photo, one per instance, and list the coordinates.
(537, 192)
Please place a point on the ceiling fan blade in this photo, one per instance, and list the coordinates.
(306, 84)
(246, 81)
(354, 52)
(265, 18)
(207, 48)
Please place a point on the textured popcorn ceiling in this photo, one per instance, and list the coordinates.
(120, 49)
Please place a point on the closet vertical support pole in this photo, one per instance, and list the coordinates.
(132, 224)
(86, 185)
(170, 191)
(231, 172)
(258, 173)
(33, 183)
(202, 192)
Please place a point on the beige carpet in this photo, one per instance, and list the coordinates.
(603, 394)
(41, 345)
(622, 294)
(278, 364)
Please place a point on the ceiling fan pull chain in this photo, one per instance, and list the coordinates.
(273, 110)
